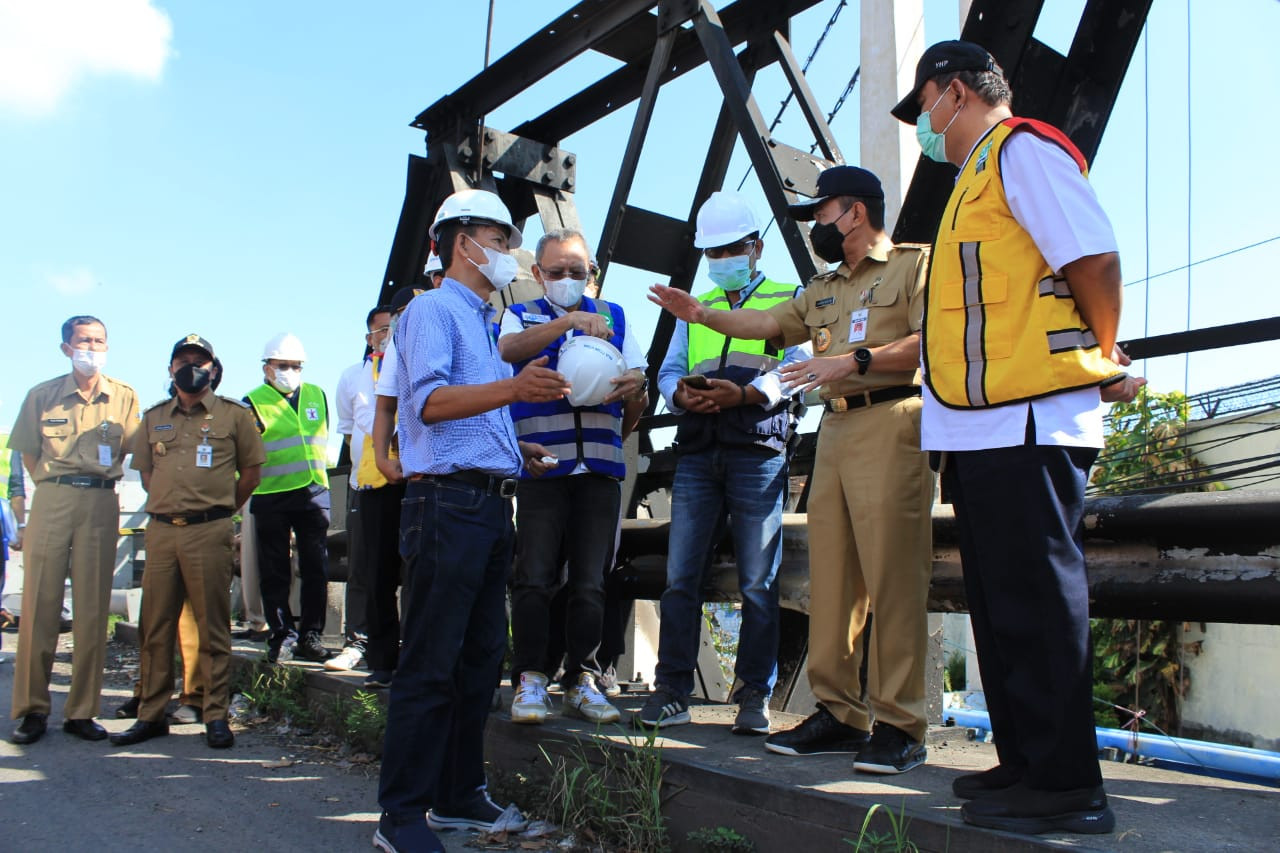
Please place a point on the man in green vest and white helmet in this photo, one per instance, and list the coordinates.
(293, 496)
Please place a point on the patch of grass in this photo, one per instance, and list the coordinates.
(721, 838)
(953, 675)
(362, 720)
(894, 840)
(609, 794)
(276, 691)
(112, 620)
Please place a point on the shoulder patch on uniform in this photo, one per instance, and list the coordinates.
(241, 403)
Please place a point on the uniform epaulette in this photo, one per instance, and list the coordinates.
(241, 403)
(824, 276)
(918, 247)
(165, 401)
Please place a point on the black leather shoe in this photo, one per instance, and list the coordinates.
(31, 729)
(1030, 811)
(140, 731)
(973, 786)
(84, 729)
(129, 710)
(218, 734)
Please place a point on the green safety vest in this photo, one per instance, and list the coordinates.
(296, 441)
(4, 465)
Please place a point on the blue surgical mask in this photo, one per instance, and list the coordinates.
(732, 273)
(933, 143)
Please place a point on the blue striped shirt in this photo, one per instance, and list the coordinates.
(445, 337)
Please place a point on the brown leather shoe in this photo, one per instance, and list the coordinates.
(140, 731)
(84, 729)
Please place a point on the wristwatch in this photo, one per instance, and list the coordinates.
(644, 386)
(862, 356)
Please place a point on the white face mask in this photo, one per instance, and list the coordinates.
(499, 267)
(286, 379)
(88, 362)
(565, 292)
(732, 273)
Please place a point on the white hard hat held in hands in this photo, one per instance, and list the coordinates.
(724, 219)
(284, 347)
(588, 363)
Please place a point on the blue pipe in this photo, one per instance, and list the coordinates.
(1240, 760)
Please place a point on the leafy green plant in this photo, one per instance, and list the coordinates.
(893, 840)
(362, 719)
(277, 691)
(610, 795)
(953, 675)
(720, 838)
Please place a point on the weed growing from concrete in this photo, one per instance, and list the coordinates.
(895, 840)
(362, 720)
(722, 838)
(277, 691)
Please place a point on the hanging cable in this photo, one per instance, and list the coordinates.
(1216, 257)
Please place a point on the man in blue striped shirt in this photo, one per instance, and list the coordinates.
(460, 457)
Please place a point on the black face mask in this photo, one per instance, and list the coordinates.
(828, 242)
(191, 379)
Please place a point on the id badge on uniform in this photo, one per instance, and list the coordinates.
(204, 456)
(858, 326)
(104, 455)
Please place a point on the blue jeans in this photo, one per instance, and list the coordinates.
(457, 543)
(752, 486)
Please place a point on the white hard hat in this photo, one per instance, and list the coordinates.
(476, 204)
(284, 347)
(433, 264)
(724, 218)
(589, 363)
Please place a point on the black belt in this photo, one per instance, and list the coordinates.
(490, 484)
(193, 518)
(82, 482)
(870, 398)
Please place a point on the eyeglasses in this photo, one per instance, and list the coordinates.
(556, 273)
(742, 247)
(380, 330)
(285, 365)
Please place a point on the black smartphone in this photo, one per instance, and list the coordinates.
(696, 380)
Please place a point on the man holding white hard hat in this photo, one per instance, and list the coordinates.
(569, 498)
(736, 421)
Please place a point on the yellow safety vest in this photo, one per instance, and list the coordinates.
(999, 326)
(296, 441)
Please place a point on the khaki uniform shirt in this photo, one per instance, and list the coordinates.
(888, 285)
(167, 447)
(63, 429)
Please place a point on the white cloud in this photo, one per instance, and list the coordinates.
(75, 282)
(47, 46)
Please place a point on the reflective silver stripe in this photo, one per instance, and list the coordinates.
(315, 440)
(1054, 285)
(593, 450)
(284, 443)
(1065, 340)
(974, 325)
(760, 363)
(290, 468)
(556, 423)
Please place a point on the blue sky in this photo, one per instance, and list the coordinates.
(237, 168)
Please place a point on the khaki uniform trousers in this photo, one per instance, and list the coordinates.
(871, 543)
(192, 563)
(76, 530)
(189, 646)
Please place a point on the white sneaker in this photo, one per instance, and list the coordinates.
(585, 700)
(531, 701)
(347, 659)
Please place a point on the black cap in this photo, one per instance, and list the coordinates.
(402, 297)
(945, 57)
(192, 340)
(838, 180)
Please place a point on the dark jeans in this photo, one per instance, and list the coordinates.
(457, 544)
(562, 519)
(355, 630)
(311, 531)
(1018, 514)
(376, 527)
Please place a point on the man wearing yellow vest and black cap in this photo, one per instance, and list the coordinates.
(869, 521)
(293, 495)
(736, 421)
(1022, 308)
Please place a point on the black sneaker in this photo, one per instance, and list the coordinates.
(482, 815)
(378, 679)
(1028, 811)
(820, 734)
(663, 708)
(890, 750)
(413, 837)
(971, 786)
(311, 648)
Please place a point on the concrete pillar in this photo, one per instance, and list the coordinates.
(964, 12)
(892, 39)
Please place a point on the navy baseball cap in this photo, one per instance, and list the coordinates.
(402, 297)
(195, 341)
(838, 180)
(945, 57)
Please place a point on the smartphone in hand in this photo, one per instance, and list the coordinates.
(696, 380)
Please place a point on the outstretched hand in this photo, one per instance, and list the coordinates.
(676, 301)
(536, 383)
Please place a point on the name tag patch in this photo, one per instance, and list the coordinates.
(823, 303)
(163, 426)
(55, 421)
(534, 319)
